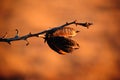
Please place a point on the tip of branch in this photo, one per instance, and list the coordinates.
(86, 24)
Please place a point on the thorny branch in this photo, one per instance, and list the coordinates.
(25, 37)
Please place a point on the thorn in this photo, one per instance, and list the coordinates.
(9, 42)
(87, 27)
(30, 33)
(17, 31)
(66, 22)
(76, 24)
(27, 42)
(17, 35)
(75, 21)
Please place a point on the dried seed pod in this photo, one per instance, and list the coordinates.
(62, 45)
(65, 32)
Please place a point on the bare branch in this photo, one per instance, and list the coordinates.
(25, 37)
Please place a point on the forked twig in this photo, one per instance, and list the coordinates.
(25, 37)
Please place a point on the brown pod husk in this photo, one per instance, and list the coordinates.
(65, 32)
(62, 45)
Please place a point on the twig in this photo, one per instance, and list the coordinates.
(25, 37)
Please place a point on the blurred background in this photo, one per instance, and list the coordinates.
(97, 59)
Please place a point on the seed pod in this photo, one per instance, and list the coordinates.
(65, 32)
(62, 45)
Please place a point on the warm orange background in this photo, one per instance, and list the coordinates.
(97, 59)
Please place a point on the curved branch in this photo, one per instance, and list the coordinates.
(25, 37)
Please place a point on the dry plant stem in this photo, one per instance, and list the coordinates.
(25, 37)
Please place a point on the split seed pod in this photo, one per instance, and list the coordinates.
(62, 45)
